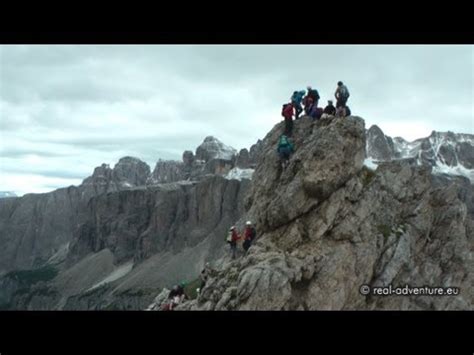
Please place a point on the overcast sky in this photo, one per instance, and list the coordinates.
(67, 109)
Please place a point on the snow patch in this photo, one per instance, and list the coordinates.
(239, 174)
(121, 271)
(370, 163)
(454, 170)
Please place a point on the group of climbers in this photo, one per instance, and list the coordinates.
(310, 101)
(175, 297)
(177, 294)
(248, 237)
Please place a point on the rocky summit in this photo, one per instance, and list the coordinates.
(353, 208)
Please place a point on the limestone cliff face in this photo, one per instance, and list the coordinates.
(138, 223)
(327, 225)
(166, 232)
(35, 227)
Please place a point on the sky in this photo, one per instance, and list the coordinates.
(67, 109)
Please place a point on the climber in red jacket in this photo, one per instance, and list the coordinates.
(249, 235)
(287, 113)
(232, 239)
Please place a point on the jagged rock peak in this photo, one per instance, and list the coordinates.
(131, 171)
(212, 148)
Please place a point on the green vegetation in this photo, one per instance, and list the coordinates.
(112, 307)
(387, 230)
(30, 277)
(21, 291)
(138, 293)
(190, 290)
(44, 291)
(4, 306)
(384, 229)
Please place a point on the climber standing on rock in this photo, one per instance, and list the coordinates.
(296, 100)
(341, 94)
(287, 113)
(232, 239)
(249, 235)
(285, 148)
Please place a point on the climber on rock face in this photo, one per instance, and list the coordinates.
(287, 113)
(249, 235)
(176, 295)
(296, 100)
(232, 239)
(285, 148)
(205, 273)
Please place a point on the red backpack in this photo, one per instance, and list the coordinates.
(287, 110)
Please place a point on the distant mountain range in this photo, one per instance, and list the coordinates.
(446, 152)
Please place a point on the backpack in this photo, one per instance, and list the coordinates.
(283, 141)
(344, 92)
(297, 97)
(314, 93)
(254, 234)
(348, 111)
(287, 110)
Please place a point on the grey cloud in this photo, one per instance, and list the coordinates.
(92, 104)
(64, 174)
(15, 152)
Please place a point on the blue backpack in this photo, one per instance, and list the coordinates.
(284, 142)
